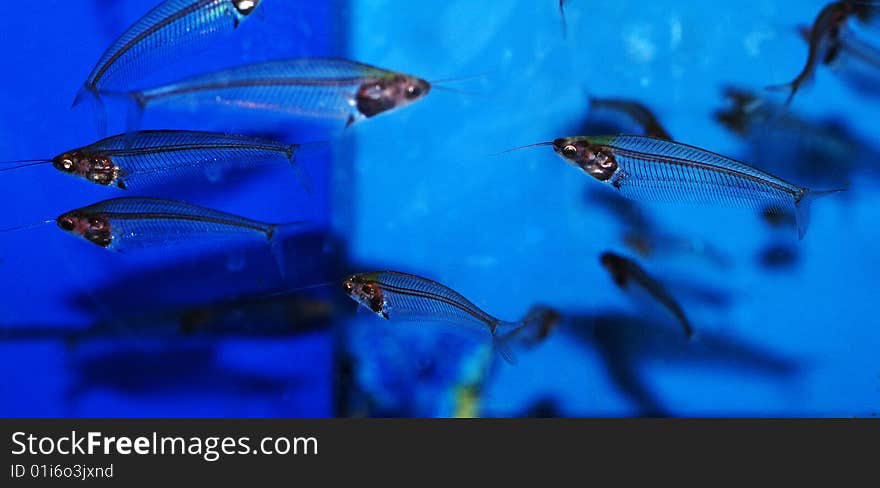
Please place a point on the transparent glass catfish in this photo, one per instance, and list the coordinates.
(319, 88)
(649, 169)
(154, 157)
(394, 295)
(172, 29)
(134, 223)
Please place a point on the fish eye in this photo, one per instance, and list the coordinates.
(67, 223)
(569, 151)
(67, 165)
(245, 7)
(348, 286)
(413, 91)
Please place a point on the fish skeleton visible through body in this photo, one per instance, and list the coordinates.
(150, 157)
(169, 31)
(395, 295)
(313, 87)
(122, 224)
(644, 168)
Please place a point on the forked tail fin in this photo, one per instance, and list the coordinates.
(135, 105)
(302, 175)
(88, 93)
(533, 329)
(802, 207)
(501, 343)
(792, 89)
(276, 235)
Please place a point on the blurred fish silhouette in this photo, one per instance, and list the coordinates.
(821, 152)
(857, 63)
(538, 325)
(637, 112)
(626, 342)
(562, 18)
(629, 276)
(778, 256)
(164, 369)
(823, 42)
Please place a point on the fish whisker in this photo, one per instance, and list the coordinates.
(456, 90)
(28, 226)
(25, 163)
(288, 291)
(461, 79)
(530, 146)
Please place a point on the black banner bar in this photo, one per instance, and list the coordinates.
(60, 452)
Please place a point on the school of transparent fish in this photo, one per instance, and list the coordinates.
(632, 166)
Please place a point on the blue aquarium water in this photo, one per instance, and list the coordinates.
(782, 327)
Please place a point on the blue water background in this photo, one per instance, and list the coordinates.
(422, 190)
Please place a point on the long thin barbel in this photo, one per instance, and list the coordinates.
(530, 146)
(28, 226)
(26, 164)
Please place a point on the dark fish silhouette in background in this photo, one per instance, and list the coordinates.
(824, 153)
(851, 57)
(626, 343)
(637, 113)
(543, 408)
(562, 18)
(823, 39)
(817, 151)
(629, 275)
(259, 316)
(165, 369)
(778, 256)
(190, 284)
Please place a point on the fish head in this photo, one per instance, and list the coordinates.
(363, 289)
(616, 267)
(397, 90)
(96, 168)
(594, 159)
(93, 228)
(245, 7)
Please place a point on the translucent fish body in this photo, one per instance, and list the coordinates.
(408, 296)
(648, 169)
(315, 88)
(131, 223)
(172, 29)
(153, 157)
(395, 295)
